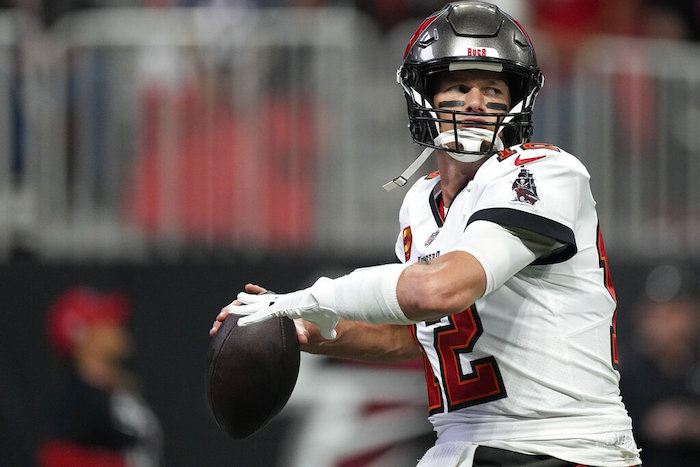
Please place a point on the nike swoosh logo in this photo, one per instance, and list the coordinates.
(519, 161)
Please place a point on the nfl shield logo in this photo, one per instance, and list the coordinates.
(431, 238)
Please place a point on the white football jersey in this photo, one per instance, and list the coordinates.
(534, 361)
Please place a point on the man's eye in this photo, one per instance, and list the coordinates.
(457, 88)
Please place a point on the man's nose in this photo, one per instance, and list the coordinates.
(474, 101)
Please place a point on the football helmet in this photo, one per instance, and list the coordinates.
(469, 35)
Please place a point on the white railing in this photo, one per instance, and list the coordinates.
(638, 123)
(17, 202)
(137, 133)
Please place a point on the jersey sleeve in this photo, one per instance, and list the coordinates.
(415, 196)
(500, 252)
(534, 191)
(404, 238)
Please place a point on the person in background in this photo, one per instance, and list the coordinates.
(661, 372)
(98, 418)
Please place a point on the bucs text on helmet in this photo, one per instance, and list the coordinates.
(470, 35)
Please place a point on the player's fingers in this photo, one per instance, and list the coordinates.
(225, 310)
(328, 333)
(245, 309)
(255, 289)
(257, 317)
(249, 298)
(302, 332)
(215, 328)
(326, 325)
(217, 322)
(223, 314)
(235, 307)
(256, 299)
(264, 297)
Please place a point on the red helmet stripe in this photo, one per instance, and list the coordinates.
(527, 36)
(423, 26)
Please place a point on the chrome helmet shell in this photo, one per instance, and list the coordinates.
(470, 35)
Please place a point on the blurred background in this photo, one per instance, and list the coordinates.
(175, 150)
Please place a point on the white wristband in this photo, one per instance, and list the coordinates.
(366, 294)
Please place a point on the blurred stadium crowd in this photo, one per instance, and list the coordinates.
(253, 133)
(677, 19)
(127, 120)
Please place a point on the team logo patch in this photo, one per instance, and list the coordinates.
(524, 188)
(431, 238)
(407, 242)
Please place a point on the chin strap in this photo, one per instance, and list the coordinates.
(402, 179)
(471, 140)
(467, 137)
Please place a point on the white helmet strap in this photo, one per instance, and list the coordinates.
(471, 140)
(402, 179)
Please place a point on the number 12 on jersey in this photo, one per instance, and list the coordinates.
(463, 385)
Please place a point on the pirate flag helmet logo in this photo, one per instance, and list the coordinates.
(524, 187)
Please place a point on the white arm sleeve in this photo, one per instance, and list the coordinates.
(502, 252)
(369, 294)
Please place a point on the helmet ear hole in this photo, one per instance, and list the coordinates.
(516, 85)
(510, 137)
(421, 126)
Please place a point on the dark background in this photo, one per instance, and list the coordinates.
(173, 308)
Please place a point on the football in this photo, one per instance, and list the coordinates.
(252, 371)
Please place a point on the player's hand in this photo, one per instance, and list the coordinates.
(310, 338)
(250, 288)
(301, 304)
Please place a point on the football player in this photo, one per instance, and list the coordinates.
(503, 285)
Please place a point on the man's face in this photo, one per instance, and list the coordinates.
(474, 91)
(106, 341)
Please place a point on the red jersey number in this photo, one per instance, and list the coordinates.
(603, 263)
(463, 386)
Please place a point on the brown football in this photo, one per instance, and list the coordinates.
(251, 373)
